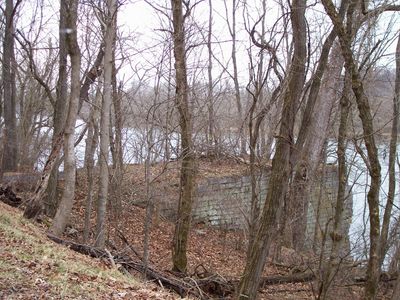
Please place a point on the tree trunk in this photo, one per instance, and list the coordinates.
(116, 148)
(345, 35)
(36, 206)
(67, 200)
(298, 202)
(10, 146)
(91, 145)
(149, 196)
(109, 42)
(183, 221)
(337, 234)
(238, 100)
(254, 132)
(254, 124)
(313, 131)
(308, 152)
(392, 162)
(60, 109)
(212, 139)
(280, 172)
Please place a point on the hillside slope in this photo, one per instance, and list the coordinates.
(33, 267)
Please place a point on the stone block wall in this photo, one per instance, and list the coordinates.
(322, 204)
(225, 202)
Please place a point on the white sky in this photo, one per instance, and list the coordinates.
(140, 23)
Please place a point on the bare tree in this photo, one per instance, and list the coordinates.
(10, 146)
(65, 207)
(235, 75)
(345, 34)
(259, 108)
(91, 145)
(392, 162)
(313, 132)
(109, 42)
(60, 108)
(212, 138)
(187, 176)
(280, 172)
(337, 234)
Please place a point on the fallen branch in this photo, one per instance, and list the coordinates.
(123, 238)
(292, 278)
(83, 249)
(285, 291)
(179, 286)
(384, 277)
(205, 286)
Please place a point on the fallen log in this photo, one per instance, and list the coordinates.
(202, 287)
(9, 197)
(81, 248)
(179, 286)
(291, 278)
(384, 277)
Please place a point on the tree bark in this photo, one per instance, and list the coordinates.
(280, 172)
(60, 109)
(10, 145)
(187, 176)
(116, 147)
(91, 145)
(109, 42)
(345, 35)
(238, 100)
(313, 131)
(337, 234)
(36, 206)
(67, 200)
(392, 162)
(254, 124)
(212, 139)
(307, 156)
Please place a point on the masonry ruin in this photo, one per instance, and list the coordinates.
(225, 202)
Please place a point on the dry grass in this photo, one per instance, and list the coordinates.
(33, 267)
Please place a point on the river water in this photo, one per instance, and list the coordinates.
(359, 183)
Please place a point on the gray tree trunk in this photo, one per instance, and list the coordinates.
(67, 199)
(10, 146)
(187, 176)
(336, 233)
(280, 172)
(392, 161)
(212, 139)
(60, 109)
(116, 148)
(91, 145)
(238, 100)
(309, 151)
(345, 35)
(109, 42)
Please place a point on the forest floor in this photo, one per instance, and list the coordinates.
(33, 267)
(210, 250)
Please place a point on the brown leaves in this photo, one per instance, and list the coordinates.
(32, 267)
